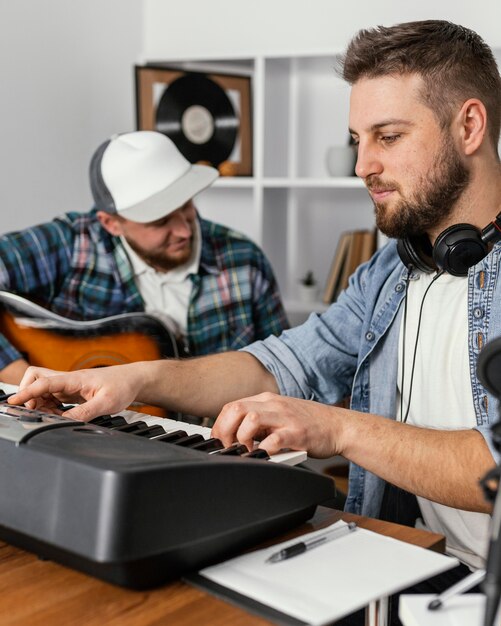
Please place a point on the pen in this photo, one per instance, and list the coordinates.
(308, 544)
(463, 585)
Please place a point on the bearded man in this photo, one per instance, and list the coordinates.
(144, 248)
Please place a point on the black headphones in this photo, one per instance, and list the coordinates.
(456, 249)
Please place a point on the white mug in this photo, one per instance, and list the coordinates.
(340, 160)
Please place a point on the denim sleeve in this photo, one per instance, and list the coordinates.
(486, 433)
(318, 360)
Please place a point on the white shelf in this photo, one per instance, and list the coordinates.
(235, 181)
(299, 311)
(298, 306)
(346, 182)
(291, 206)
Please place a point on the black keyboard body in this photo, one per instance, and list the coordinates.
(138, 512)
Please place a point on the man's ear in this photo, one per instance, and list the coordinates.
(110, 223)
(472, 119)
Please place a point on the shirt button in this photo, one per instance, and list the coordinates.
(369, 336)
(478, 312)
(399, 287)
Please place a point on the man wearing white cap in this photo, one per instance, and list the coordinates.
(144, 248)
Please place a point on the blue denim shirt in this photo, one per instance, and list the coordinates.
(352, 349)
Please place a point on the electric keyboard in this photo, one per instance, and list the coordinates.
(139, 500)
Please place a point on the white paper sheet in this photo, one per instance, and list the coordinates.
(332, 580)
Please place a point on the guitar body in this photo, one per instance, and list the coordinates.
(48, 340)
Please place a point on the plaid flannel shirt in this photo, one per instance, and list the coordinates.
(73, 267)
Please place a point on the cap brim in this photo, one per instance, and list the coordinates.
(197, 178)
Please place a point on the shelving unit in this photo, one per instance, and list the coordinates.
(291, 206)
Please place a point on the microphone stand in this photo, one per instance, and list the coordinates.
(492, 582)
(489, 374)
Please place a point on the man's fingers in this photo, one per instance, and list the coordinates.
(34, 373)
(38, 389)
(29, 394)
(85, 412)
(245, 421)
(229, 421)
(252, 425)
(76, 413)
(274, 443)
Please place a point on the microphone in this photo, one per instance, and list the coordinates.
(492, 582)
(489, 374)
(489, 367)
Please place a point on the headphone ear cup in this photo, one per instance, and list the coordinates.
(458, 248)
(411, 252)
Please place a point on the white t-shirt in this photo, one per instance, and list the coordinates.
(166, 295)
(442, 395)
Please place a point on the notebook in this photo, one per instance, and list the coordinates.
(324, 583)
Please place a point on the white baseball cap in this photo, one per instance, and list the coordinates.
(143, 177)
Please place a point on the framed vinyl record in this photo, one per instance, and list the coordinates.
(207, 116)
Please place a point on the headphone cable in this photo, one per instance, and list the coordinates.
(403, 418)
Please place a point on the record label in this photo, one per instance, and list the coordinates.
(197, 124)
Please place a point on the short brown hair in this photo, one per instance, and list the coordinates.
(453, 61)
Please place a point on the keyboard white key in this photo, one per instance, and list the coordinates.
(288, 457)
(292, 457)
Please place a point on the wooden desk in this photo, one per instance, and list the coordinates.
(35, 592)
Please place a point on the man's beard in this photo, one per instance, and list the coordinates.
(161, 261)
(432, 202)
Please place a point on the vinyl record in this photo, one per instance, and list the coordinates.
(198, 116)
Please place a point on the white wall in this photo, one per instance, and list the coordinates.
(66, 85)
(66, 71)
(199, 28)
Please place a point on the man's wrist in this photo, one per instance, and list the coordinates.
(146, 377)
(342, 423)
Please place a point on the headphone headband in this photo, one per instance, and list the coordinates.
(456, 249)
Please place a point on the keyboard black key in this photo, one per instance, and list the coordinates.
(237, 449)
(117, 420)
(100, 420)
(208, 445)
(131, 428)
(172, 437)
(152, 431)
(189, 440)
(107, 421)
(257, 453)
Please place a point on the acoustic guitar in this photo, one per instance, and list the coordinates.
(49, 340)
